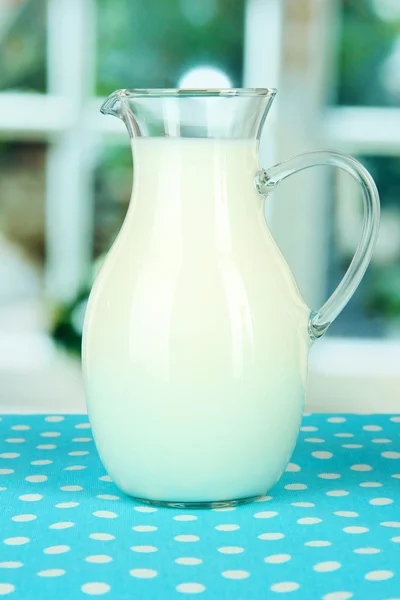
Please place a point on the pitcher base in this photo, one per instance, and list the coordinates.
(199, 505)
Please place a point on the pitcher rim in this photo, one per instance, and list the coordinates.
(193, 92)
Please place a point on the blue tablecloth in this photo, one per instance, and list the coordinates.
(330, 529)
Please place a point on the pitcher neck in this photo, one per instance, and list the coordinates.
(217, 114)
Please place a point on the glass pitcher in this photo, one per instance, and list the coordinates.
(196, 337)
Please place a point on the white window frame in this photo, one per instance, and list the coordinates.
(67, 118)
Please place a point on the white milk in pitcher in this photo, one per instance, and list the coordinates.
(196, 339)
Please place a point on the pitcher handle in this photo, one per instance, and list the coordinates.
(267, 180)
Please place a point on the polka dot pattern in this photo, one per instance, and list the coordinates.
(329, 529)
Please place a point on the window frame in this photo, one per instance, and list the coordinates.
(67, 117)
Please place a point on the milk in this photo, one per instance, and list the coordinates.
(196, 341)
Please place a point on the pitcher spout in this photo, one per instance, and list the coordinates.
(113, 104)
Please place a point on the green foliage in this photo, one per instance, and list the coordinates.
(365, 43)
(383, 297)
(152, 46)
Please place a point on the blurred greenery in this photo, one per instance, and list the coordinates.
(366, 41)
(23, 48)
(383, 296)
(113, 183)
(142, 47)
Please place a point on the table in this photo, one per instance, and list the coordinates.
(330, 529)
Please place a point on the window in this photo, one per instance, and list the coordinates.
(340, 67)
(76, 164)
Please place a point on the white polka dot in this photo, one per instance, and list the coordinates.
(36, 478)
(16, 541)
(390, 524)
(309, 521)
(102, 537)
(344, 435)
(188, 560)
(303, 504)
(83, 453)
(50, 434)
(326, 566)
(370, 484)
(231, 550)
(355, 529)
(143, 573)
(227, 527)
(144, 528)
(322, 454)
(75, 468)
(346, 513)
(55, 419)
(381, 441)
(46, 447)
(20, 427)
(395, 539)
(336, 420)
(366, 550)
(396, 475)
(381, 501)
(395, 419)
(293, 468)
(265, 514)
(338, 596)
(318, 543)
(329, 475)
(105, 514)
(314, 440)
(285, 586)
(39, 463)
(67, 504)
(30, 497)
(186, 538)
(190, 588)
(24, 518)
(277, 559)
(372, 428)
(6, 588)
(185, 518)
(56, 549)
(62, 525)
(146, 549)
(391, 454)
(308, 428)
(352, 446)
(82, 439)
(295, 487)
(106, 478)
(235, 574)
(361, 467)
(271, 536)
(51, 573)
(11, 564)
(95, 588)
(108, 497)
(145, 509)
(379, 575)
(10, 455)
(6, 471)
(337, 493)
(98, 558)
(2, 489)
(15, 440)
(82, 426)
(71, 488)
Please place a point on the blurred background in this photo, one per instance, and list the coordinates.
(66, 171)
